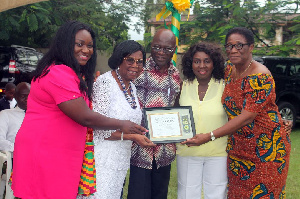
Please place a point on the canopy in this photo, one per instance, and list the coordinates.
(9, 4)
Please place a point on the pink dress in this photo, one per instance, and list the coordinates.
(49, 146)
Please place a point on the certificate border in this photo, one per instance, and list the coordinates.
(146, 111)
(151, 129)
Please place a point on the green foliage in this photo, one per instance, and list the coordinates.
(21, 25)
(147, 41)
(295, 40)
(214, 18)
(34, 25)
(281, 50)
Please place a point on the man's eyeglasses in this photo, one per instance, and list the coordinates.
(131, 60)
(165, 50)
(237, 46)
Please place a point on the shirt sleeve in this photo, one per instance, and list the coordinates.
(5, 145)
(258, 91)
(62, 84)
(101, 103)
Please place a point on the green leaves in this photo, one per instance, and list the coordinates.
(32, 22)
(25, 25)
(214, 18)
(34, 25)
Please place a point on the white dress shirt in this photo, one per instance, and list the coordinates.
(12, 103)
(10, 122)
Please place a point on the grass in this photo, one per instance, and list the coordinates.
(293, 180)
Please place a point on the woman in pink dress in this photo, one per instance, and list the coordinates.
(49, 146)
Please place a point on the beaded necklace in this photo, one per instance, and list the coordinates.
(130, 98)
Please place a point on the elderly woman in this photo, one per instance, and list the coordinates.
(115, 96)
(258, 145)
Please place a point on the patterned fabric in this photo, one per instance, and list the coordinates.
(87, 184)
(258, 154)
(155, 89)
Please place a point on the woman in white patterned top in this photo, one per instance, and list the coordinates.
(114, 95)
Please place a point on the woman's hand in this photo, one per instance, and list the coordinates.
(197, 140)
(143, 141)
(78, 110)
(288, 124)
(115, 135)
(129, 127)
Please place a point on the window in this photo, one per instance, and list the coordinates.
(4, 58)
(279, 69)
(28, 57)
(295, 69)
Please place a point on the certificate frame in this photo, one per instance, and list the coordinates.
(169, 124)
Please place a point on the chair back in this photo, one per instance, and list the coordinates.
(6, 156)
(3, 159)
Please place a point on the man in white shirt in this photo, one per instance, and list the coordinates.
(11, 119)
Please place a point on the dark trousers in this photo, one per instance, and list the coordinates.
(149, 183)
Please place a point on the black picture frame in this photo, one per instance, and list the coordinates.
(177, 124)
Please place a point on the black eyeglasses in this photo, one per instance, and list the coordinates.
(165, 50)
(237, 46)
(131, 60)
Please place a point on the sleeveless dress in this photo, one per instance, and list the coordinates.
(258, 154)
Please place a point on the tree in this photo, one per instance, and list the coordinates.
(34, 25)
(20, 24)
(214, 18)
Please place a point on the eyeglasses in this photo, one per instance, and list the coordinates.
(131, 60)
(165, 50)
(237, 46)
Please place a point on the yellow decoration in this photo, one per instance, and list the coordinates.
(181, 5)
(163, 13)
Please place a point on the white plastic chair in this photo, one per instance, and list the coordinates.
(3, 159)
(9, 193)
(6, 156)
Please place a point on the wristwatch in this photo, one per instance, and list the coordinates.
(212, 136)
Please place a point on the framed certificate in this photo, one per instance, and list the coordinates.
(169, 124)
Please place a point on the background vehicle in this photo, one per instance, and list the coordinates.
(16, 64)
(286, 72)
